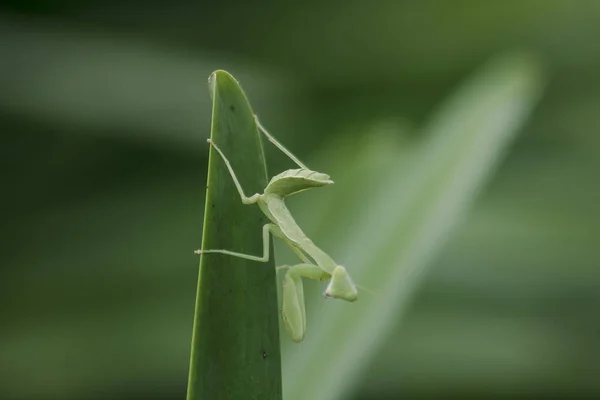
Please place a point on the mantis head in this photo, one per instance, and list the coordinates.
(341, 286)
(296, 180)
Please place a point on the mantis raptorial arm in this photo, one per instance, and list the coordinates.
(277, 144)
(293, 309)
(246, 200)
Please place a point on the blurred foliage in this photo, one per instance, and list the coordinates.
(404, 208)
(104, 113)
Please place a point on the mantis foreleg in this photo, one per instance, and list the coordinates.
(293, 309)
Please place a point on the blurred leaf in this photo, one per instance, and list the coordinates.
(97, 275)
(409, 208)
(113, 83)
(235, 344)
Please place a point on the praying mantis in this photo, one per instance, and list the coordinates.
(316, 264)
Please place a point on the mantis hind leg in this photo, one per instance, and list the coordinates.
(278, 145)
(268, 228)
(245, 199)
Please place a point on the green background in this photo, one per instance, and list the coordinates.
(104, 112)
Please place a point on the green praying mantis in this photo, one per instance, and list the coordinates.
(316, 264)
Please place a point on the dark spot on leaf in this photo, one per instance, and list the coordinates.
(232, 108)
(264, 355)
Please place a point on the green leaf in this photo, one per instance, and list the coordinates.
(235, 344)
(410, 205)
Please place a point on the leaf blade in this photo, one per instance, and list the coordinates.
(235, 343)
